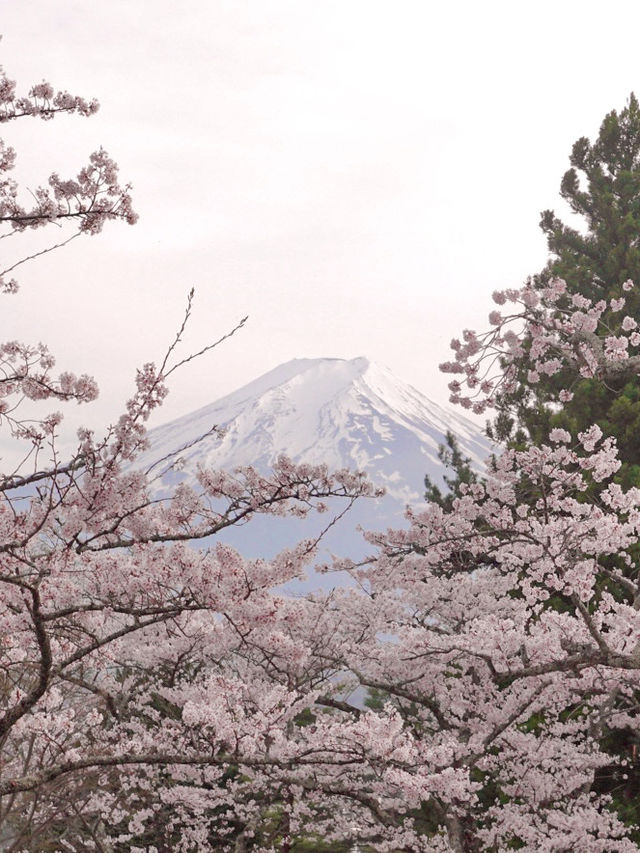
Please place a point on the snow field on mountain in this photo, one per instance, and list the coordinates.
(342, 413)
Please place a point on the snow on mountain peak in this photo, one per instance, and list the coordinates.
(344, 413)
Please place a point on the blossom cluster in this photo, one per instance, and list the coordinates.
(546, 332)
(92, 199)
(41, 102)
(89, 200)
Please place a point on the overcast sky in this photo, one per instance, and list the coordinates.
(357, 176)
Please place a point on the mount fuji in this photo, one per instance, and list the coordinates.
(347, 414)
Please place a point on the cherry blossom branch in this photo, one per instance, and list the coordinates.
(548, 333)
(41, 102)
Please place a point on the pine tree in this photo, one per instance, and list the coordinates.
(453, 460)
(602, 186)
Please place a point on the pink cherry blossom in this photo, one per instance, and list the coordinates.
(159, 696)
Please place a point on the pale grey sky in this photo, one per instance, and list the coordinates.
(357, 176)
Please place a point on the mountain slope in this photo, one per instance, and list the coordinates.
(351, 414)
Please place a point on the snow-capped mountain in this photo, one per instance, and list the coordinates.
(353, 414)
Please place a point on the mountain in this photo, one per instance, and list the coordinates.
(353, 414)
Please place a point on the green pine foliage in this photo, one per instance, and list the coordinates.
(452, 460)
(602, 186)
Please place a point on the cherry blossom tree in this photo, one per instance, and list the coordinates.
(500, 633)
(112, 627)
(156, 696)
(502, 637)
(490, 738)
(500, 630)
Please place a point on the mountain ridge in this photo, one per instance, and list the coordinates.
(343, 413)
(303, 406)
